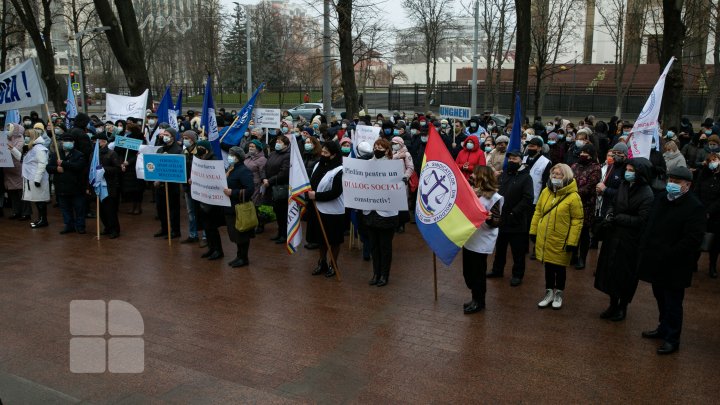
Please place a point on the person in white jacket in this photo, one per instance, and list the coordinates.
(36, 186)
(482, 243)
(400, 152)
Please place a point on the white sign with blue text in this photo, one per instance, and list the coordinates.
(454, 112)
(21, 87)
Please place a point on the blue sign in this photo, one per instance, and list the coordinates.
(127, 143)
(165, 167)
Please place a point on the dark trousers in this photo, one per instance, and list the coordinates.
(174, 199)
(474, 269)
(280, 207)
(20, 207)
(241, 239)
(584, 246)
(73, 211)
(518, 245)
(554, 276)
(669, 302)
(41, 207)
(109, 214)
(381, 245)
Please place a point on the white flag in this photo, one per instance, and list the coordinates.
(299, 185)
(123, 107)
(646, 125)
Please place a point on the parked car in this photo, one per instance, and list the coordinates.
(307, 110)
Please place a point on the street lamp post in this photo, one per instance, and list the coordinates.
(78, 39)
(473, 102)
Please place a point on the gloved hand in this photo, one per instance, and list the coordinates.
(405, 180)
(533, 238)
(570, 249)
(37, 184)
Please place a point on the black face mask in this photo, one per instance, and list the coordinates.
(532, 152)
(513, 167)
(379, 154)
(324, 159)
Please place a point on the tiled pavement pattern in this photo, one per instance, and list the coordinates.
(271, 333)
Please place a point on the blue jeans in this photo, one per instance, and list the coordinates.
(73, 211)
(192, 219)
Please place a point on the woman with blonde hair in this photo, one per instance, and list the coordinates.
(555, 229)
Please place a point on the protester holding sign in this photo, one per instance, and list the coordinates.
(132, 187)
(381, 226)
(189, 142)
(67, 170)
(211, 216)
(169, 146)
(326, 194)
(240, 189)
(400, 152)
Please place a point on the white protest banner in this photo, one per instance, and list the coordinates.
(5, 155)
(209, 182)
(123, 107)
(365, 133)
(454, 112)
(21, 87)
(646, 125)
(374, 185)
(140, 162)
(267, 118)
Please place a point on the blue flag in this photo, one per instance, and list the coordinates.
(237, 130)
(166, 112)
(208, 120)
(70, 106)
(516, 134)
(178, 106)
(12, 117)
(97, 174)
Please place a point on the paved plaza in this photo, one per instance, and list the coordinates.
(271, 333)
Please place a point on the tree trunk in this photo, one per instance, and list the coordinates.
(673, 38)
(347, 67)
(126, 43)
(3, 37)
(522, 52)
(714, 84)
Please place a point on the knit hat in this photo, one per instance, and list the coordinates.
(172, 132)
(101, 135)
(502, 139)
(190, 135)
(309, 131)
(257, 144)
(39, 125)
(203, 144)
(714, 139)
(364, 148)
(680, 172)
(238, 151)
(332, 147)
(620, 147)
(536, 141)
(344, 140)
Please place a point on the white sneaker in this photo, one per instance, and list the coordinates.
(547, 299)
(557, 301)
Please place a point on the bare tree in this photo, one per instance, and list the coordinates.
(431, 24)
(37, 20)
(12, 33)
(344, 9)
(672, 45)
(523, 49)
(621, 20)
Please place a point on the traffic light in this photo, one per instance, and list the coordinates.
(72, 77)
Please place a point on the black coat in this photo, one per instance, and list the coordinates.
(240, 181)
(277, 168)
(111, 162)
(71, 181)
(517, 189)
(82, 143)
(612, 182)
(672, 237)
(707, 188)
(616, 273)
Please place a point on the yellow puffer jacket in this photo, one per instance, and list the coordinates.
(557, 222)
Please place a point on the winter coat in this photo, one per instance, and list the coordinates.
(404, 155)
(473, 157)
(691, 152)
(111, 162)
(671, 240)
(556, 152)
(277, 168)
(239, 179)
(256, 165)
(34, 171)
(659, 173)
(495, 159)
(707, 188)
(557, 223)
(587, 177)
(82, 142)
(310, 160)
(617, 272)
(612, 179)
(673, 160)
(13, 175)
(70, 182)
(517, 190)
(417, 151)
(129, 182)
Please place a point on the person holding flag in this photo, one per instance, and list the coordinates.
(106, 167)
(70, 106)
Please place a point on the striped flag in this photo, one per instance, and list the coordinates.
(299, 185)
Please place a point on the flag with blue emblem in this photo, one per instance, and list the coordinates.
(235, 133)
(208, 120)
(97, 174)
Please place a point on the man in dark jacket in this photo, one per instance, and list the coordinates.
(67, 170)
(112, 165)
(167, 139)
(516, 186)
(668, 253)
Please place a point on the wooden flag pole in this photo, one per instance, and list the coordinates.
(435, 274)
(97, 217)
(352, 236)
(52, 132)
(327, 243)
(233, 123)
(167, 212)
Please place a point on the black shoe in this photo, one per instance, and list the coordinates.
(467, 304)
(276, 237)
(216, 255)
(81, 231)
(174, 235)
(233, 261)
(609, 312)
(713, 272)
(330, 272)
(42, 223)
(105, 232)
(374, 280)
(619, 315)
(400, 229)
(160, 234)
(312, 246)
(14, 216)
(474, 306)
(667, 348)
(321, 268)
(280, 241)
(652, 334)
(259, 229)
(382, 282)
(90, 215)
(367, 258)
(24, 218)
(580, 264)
(239, 263)
(190, 240)
(66, 231)
(207, 254)
(515, 281)
(493, 274)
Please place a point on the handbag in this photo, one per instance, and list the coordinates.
(280, 192)
(245, 217)
(707, 242)
(413, 182)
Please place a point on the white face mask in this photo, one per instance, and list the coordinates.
(344, 126)
(396, 147)
(231, 160)
(557, 183)
(151, 123)
(167, 139)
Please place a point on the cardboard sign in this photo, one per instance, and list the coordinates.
(374, 185)
(165, 167)
(209, 182)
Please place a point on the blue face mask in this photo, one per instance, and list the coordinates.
(272, 132)
(278, 146)
(673, 189)
(630, 176)
(68, 145)
(551, 142)
(316, 126)
(284, 130)
(387, 131)
(396, 132)
(561, 137)
(231, 160)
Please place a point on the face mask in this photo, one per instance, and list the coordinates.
(58, 131)
(345, 149)
(284, 130)
(151, 123)
(513, 167)
(470, 145)
(531, 152)
(68, 145)
(99, 130)
(708, 132)
(231, 160)
(308, 147)
(272, 132)
(120, 128)
(423, 139)
(316, 126)
(473, 125)
(379, 154)
(251, 152)
(247, 133)
(343, 126)
(279, 146)
(490, 127)
(557, 183)
(626, 133)
(579, 143)
(413, 132)
(549, 128)
(387, 131)
(713, 147)
(396, 147)
(673, 189)
(630, 176)
(551, 143)
(27, 123)
(27, 140)
(561, 137)
(488, 149)
(443, 126)
(167, 139)
(713, 165)
(250, 127)
(187, 143)
(670, 134)
(584, 159)
(396, 132)
(379, 122)
(423, 123)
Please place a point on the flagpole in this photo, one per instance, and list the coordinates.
(97, 210)
(231, 125)
(52, 132)
(435, 274)
(327, 243)
(167, 211)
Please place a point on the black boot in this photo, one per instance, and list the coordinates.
(477, 304)
(620, 314)
(713, 270)
(611, 310)
(321, 268)
(580, 264)
(383, 279)
(41, 223)
(375, 278)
